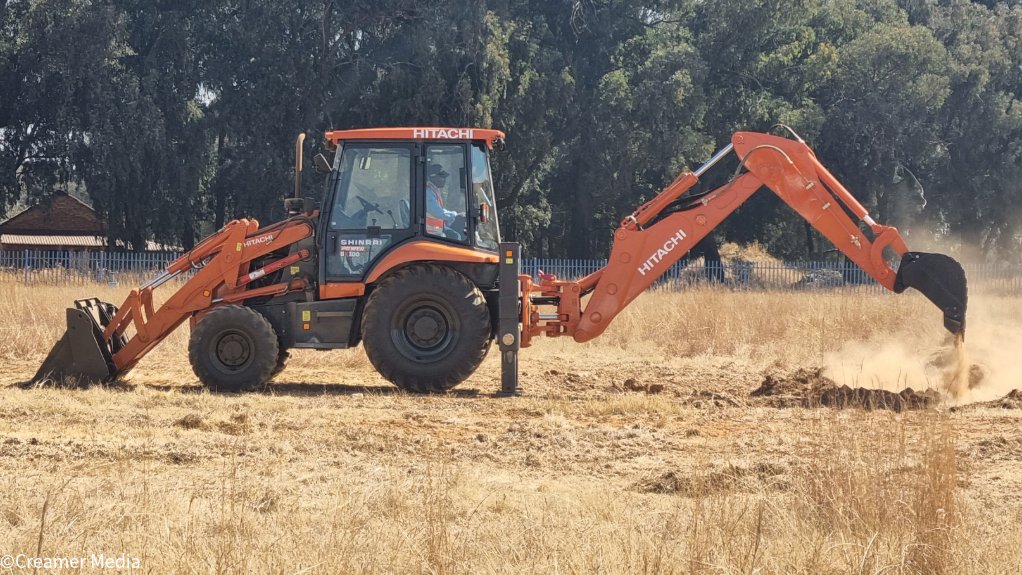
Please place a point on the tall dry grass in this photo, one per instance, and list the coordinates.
(703, 320)
(872, 340)
(800, 325)
(874, 497)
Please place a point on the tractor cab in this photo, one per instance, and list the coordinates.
(398, 185)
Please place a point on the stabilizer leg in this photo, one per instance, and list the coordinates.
(509, 330)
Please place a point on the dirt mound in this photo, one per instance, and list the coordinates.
(1011, 401)
(631, 384)
(947, 359)
(703, 399)
(753, 252)
(808, 387)
(869, 399)
(794, 389)
(728, 479)
(798, 383)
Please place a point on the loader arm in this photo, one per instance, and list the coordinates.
(658, 234)
(104, 341)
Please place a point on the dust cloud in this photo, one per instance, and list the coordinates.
(984, 367)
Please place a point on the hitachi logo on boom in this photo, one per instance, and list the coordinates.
(440, 133)
(259, 240)
(668, 247)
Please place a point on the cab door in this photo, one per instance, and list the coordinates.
(445, 192)
(370, 207)
(458, 199)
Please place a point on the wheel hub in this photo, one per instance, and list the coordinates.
(426, 328)
(233, 350)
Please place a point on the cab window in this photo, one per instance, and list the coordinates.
(445, 191)
(371, 207)
(373, 188)
(487, 232)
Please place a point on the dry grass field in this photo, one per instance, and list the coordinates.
(693, 438)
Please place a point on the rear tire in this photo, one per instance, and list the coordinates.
(232, 349)
(426, 328)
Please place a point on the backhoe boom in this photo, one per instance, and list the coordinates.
(653, 238)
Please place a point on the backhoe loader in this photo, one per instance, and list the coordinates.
(404, 256)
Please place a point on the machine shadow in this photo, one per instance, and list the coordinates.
(288, 389)
(308, 389)
(301, 389)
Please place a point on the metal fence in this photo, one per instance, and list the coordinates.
(71, 267)
(66, 267)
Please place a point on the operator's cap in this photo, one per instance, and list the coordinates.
(436, 170)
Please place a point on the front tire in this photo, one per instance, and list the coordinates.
(426, 328)
(232, 349)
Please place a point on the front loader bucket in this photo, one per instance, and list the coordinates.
(81, 357)
(942, 280)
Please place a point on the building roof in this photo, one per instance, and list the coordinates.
(40, 240)
(70, 241)
(59, 215)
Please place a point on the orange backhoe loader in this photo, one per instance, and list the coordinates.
(404, 256)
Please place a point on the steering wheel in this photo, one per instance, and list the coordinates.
(367, 206)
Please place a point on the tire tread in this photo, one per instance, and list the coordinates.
(412, 280)
(261, 331)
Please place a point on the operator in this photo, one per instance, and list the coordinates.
(437, 217)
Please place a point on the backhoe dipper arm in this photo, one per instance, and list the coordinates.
(648, 242)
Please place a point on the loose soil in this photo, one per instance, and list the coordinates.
(808, 387)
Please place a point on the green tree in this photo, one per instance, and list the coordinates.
(610, 104)
(42, 82)
(881, 108)
(977, 182)
(766, 62)
(178, 116)
(143, 148)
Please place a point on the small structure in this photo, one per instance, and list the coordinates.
(64, 240)
(63, 223)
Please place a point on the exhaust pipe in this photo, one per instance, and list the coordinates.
(942, 280)
(81, 356)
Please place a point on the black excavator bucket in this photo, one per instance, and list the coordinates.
(81, 357)
(942, 280)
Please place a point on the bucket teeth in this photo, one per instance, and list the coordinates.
(81, 356)
(942, 280)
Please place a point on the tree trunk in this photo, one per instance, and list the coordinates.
(219, 190)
